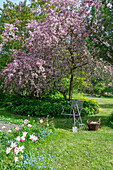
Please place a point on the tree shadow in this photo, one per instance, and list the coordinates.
(60, 122)
(110, 106)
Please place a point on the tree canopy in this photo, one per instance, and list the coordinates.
(50, 49)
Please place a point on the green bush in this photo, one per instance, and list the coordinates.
(99, 88)
(90, 107)
(26, 106)
(47, 106)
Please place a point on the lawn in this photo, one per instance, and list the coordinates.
(64, 149)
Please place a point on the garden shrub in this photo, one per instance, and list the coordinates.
(90, 107)
(41, 107)
(110, 120)
(46, 106)
(99, 88)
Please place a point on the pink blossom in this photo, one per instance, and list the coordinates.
(25, 121)
(15, 159)
(3, 127)
(16, 150)
(9, 131)
(17, 128)
(8, 150)
(41, 120)
(22, 124)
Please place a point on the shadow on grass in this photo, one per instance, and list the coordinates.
(59, 122)
(110, 106)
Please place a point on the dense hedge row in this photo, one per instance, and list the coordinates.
(47, 106)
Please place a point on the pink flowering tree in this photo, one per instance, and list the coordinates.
(54, 49)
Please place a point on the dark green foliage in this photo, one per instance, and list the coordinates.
(110, 121)
(26, 106)
(46, 106)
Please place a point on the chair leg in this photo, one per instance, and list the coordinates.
(66, 122)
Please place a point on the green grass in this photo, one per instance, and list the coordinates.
(76, 151)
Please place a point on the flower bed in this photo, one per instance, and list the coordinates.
(16, 144)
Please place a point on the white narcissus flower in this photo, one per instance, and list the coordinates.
(29, 125)
(13, 145)
(18, 138)
(24, 134)
(8, 150)
(15, 159)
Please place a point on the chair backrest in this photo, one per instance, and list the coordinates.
(78, 103)
(73, 103)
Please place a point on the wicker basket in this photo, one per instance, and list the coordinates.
(93, 125)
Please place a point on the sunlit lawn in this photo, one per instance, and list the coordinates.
(82, 150)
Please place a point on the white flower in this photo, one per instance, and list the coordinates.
(9, 131)
(29, 125)
(18, 138)
(8, 150)
(33, 137)
(21, 148)
(24, 134)
(13, 145)
(23, 138)
(15, 159)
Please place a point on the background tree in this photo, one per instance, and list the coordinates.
(100, 42)
(18, 15)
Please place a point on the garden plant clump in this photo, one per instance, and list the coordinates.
(49, 105)
(16, 144)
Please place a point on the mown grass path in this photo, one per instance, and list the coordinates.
(85, 149)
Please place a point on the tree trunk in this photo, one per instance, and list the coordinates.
(71, 86)
(63, 93)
